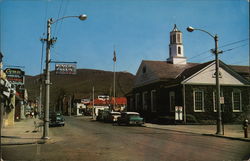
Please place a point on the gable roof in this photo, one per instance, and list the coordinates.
(159, 71)
(175, 73)
(244, 71)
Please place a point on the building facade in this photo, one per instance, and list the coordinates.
(162, 86)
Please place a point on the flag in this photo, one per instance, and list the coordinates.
(114, 59)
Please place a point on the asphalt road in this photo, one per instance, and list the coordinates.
(83, 139)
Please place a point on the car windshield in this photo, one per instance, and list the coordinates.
(134, 116)
(59, 118)
(115, 114)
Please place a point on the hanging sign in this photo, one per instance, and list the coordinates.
(68, 69)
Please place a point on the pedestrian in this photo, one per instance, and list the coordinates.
(35, 113)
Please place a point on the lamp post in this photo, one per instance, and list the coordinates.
(49, 42)
(216, 52)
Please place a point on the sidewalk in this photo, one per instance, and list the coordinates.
(230, 131)
(23, 132)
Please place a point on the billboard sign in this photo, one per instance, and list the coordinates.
(68, 69)
(15, 76)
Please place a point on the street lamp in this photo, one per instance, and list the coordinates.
(216, 52)
(50, 42)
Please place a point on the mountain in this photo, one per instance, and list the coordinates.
(81, 84)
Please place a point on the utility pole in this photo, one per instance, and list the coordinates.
(40, 98)
(218, 105)
(47, 82)
(217, 74)
(93, 99)
(50, 42)
(114, 59)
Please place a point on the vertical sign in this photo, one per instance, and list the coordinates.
(178, 113)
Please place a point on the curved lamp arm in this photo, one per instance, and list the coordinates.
(191, 29)
(81, 17)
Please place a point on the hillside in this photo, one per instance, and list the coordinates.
(80, 85)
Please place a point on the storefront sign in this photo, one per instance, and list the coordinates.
(15, 76)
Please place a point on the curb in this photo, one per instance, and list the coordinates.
(228, 137)
(25, 143)
(214, 135)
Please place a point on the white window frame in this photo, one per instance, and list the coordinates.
(171, 94)
(202, 110)
(137, 99)
(153, 107)
(144, 105)
(240, 108)
(179, 50)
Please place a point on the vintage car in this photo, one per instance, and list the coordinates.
(130, 118)
(112, 116)
(56, 119)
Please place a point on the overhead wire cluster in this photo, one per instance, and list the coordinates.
(223, 46)
(61, 12)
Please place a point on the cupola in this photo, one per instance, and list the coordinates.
(176, 51)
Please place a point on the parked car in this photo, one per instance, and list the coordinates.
(130, 118)
(100, 115)
(56, 119)
(112, 116)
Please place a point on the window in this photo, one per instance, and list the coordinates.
(145, 100)
(236, 101)
(170, 51)
(172, 101)
(179, 38)
(137, 101)
(198, 101)
(171, 39)
(153, 100)
(174, 38)
(131, 101)
(179, 50)
(144, 69)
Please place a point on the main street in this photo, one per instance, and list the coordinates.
(84, 139)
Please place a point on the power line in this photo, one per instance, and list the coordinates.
(236, 42)
(46, 16)
(234, 48)
(58, 15)
(41, 67)
(63, 14)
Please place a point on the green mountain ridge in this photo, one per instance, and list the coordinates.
(81, 84)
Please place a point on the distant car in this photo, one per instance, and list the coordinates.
(130, 118)
(112, 116)
(56, 120)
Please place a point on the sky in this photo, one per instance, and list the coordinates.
(136, 29)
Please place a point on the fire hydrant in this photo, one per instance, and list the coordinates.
(245, 126)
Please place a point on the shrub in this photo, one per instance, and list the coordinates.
(191, 118)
